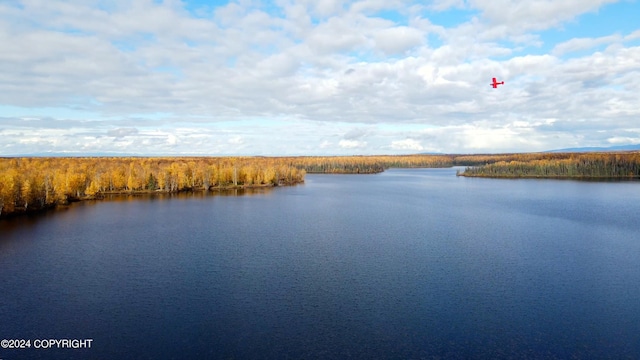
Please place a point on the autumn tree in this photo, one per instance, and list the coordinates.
(33, 183)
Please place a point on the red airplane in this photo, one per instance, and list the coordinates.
(495, 83)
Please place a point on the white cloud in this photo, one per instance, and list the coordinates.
(407, 144)
(441, 5)
(623, 140)
(122, 132)
(352, 144)
(327, 7)
(534, 14)
(325, 72)
(236, 140)
(398, 40)
(579, 44)
(336, 35)
(326, 144)
(172, 140)
(633, 36)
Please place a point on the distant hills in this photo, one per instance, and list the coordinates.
(73, 154)
(599, 149)
(632, 147)
(99, 154)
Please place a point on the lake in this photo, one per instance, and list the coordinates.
(406, 264)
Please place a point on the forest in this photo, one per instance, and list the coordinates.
(31, 184)
(35, 183)
(557, 165)
(368, 164)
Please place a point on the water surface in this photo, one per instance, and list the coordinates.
(414, 263)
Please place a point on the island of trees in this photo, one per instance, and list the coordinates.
(556, 165)
(31, 184)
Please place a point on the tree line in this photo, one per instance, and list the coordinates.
(367, 164)
(562, 165)
(29, 184)
(34, 183)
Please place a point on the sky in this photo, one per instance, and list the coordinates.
(317, 77)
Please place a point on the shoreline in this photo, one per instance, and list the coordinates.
(211, 188)
(20, 211)
(553, 177)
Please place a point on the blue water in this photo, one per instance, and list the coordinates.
(407, 264)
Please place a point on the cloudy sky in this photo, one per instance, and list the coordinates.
(317, 77)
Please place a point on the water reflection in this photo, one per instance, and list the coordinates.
(15, 223)
(124, 197)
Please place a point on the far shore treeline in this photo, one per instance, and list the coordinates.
(557, 165)
(34, 183)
